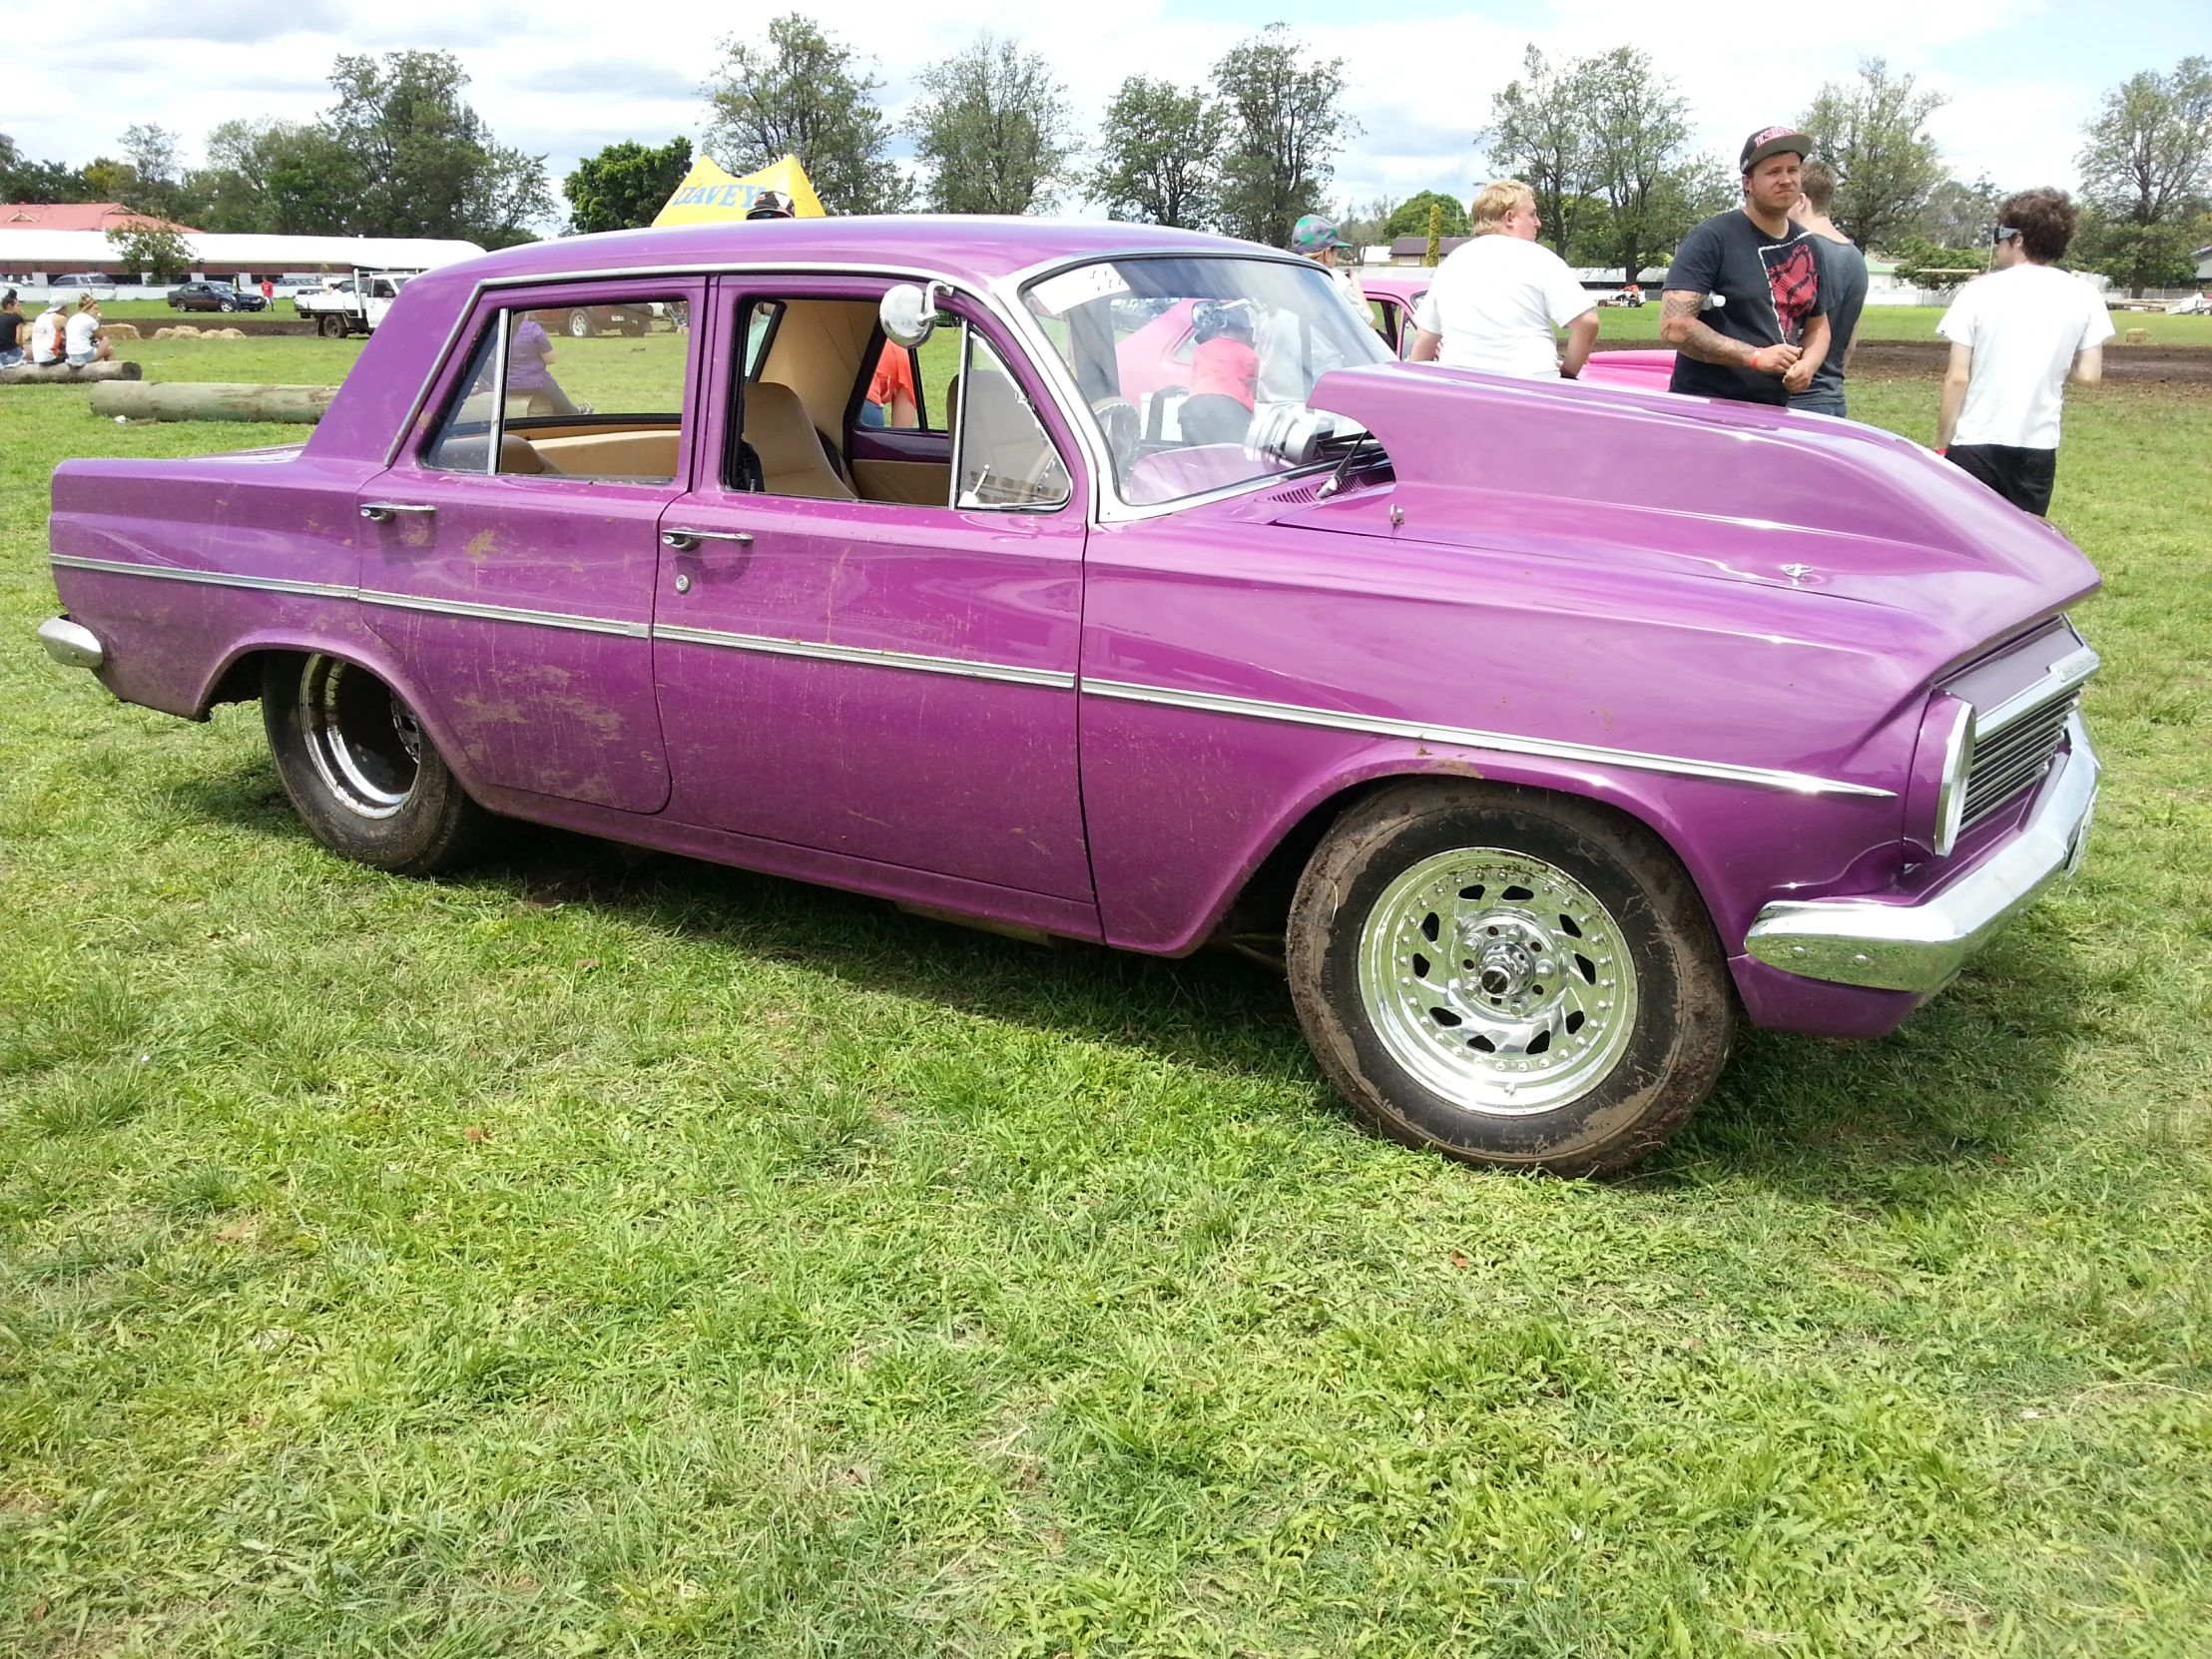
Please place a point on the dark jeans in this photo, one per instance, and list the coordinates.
(2022, 476)
(1821, 400)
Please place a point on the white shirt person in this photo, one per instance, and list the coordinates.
(1497, 298)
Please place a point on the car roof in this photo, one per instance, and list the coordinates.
(978, 249)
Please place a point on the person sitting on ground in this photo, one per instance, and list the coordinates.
(1498, 295)
(12, 323)
(47, 341)
(1842, 281)
(1742, 305)
(1224, 368)
(81, 337)
(2018, 335)
(528, 353)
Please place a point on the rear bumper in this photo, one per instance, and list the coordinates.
(1920, 943)
(71, 644)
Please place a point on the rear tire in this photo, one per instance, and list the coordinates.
(579, 324)
(1508, 976)
(360, 772)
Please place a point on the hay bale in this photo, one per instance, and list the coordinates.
(183, 330)
(120, 330)
(2136, 336)
(224, 334)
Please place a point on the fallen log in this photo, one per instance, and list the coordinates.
(213, 400)
(35, 375)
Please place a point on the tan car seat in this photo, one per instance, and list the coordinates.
(778, 427)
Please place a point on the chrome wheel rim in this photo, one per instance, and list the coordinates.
(1498, 982)
(366, 744)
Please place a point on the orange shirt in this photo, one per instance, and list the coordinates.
(895, 374)
(1224, 368)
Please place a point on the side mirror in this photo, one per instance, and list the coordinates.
(908, 313)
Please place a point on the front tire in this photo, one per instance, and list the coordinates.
(360, 772)
(1508, 976)
(581, 325)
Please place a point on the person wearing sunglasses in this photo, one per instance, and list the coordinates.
(2018, 335)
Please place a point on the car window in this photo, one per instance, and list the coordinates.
(1230, 410)
(759, 333)
(605, 404)
(1005, 458)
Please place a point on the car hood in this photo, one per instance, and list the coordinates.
(1732, 492)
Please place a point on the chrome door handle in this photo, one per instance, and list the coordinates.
(384, 512)
(684, 540)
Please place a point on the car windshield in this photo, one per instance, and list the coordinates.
(1197, 369)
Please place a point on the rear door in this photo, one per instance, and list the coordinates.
(509, 560)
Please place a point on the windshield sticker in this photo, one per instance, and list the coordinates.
(1060, 295)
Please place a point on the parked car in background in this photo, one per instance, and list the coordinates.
(586, 321)
(1540, 730)
(99, 287)
(353, 304)
(213, 296)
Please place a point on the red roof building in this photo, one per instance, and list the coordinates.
(75, 216)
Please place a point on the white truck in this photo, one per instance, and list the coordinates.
(353, 304)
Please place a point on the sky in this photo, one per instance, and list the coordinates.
(566, 77)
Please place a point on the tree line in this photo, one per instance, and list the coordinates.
(1604, 141)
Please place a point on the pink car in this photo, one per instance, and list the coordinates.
(1396, 292)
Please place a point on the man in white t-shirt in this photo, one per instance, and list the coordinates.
(1497, 297)
(2018, 335)
(46, 335)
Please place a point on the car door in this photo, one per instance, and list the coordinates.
(509, 559)
(891, 678)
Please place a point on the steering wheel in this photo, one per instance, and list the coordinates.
(1118, 424)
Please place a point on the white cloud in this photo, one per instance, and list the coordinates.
(565, 75)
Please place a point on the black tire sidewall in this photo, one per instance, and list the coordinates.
(435, 827)
(1684, 1015)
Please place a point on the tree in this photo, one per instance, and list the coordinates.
(1361, 225)
(992, 131)
(2146, 169)
(1159, 159)
(1410, 218)
(1539, 132)
(1286, 122)
(1433, 251)
(426, 163)
(154, 187)
(153, 249)
(1639, 127)
(23, 180)
(804, 94)
(1874, 135)
(626, 185)
(1960, 214)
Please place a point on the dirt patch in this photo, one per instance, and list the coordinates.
(1900, 359)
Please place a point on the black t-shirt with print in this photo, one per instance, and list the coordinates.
(11, 329)
(1769, 288)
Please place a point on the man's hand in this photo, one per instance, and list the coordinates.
(1799, 375)
(1775, 360)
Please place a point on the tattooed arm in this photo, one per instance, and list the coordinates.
(1679, 327)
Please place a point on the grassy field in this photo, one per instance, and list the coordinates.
(1617, 324)
(591, 1254)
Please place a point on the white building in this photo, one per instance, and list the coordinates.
(39, 240)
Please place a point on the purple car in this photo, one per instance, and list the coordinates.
(1545, 731)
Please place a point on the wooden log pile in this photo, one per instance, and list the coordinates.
(213, 400)
(61, 374)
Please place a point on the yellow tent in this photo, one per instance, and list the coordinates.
(709, 196)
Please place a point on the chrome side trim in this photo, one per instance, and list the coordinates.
(1920, 947)
(505, 613)
(71, 644)
(207, 578)
(919, 663)
(2061, 678)
(1382, 726)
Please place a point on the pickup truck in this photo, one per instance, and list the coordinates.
(353, 304)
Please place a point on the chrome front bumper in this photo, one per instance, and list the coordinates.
(1920, 947)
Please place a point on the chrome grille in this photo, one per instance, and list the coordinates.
(2014, 757)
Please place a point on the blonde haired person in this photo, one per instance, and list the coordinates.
(1497, 298)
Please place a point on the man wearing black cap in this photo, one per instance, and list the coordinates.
(1743, 307)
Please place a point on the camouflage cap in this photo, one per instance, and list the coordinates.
(1312, 233)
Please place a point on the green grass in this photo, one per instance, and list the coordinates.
(1621, 325)
(594, 1253)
